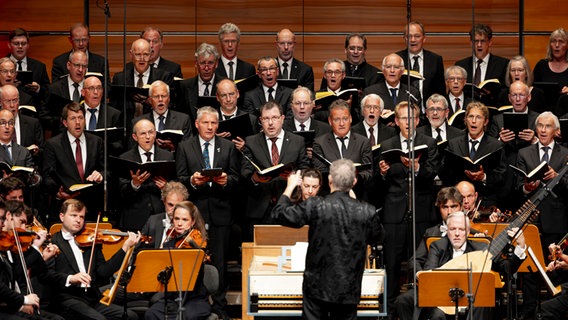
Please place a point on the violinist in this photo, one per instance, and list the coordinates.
(471, 205)
(557, 307)
(16, 301)
(186, 219)
(77, 289)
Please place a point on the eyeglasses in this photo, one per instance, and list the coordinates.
(472, 117)
(11, 101)
(266, 70)
(434, 110)
(286, 43)
(142, 56)
(273, 119)
(159, 97)
(518, 96)
(334, 72)
(10, 123)
(392, 66)
(227, 95)
(20, 44)
(355, 49)
(8, 71)
(371, 107)
(302, 103)
(79, 65)
(454, 79)
(93, 89)
(518, 70)
(81, 40)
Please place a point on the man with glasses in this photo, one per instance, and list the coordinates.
(19, 43)
(164, 118)
(483, 65)
(372, 106)
(79, 38)
(27, 130)
(455, 77)
(269, 90)
(10, 152)
(8, 74)
(290, 67)
(204, 84)
(392, 90)
(437, 113)
(397, 219)
(230, 66)
(139, 74)
(270, 147)
(303, 103)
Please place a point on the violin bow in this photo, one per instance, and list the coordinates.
(93, 247)
(22, 260)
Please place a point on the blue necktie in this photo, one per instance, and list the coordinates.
(545, 156)
(93, 119)
(393, 95)
(472, 151)
(206, 155)
(161, 124)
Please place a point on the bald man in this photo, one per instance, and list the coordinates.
(291, 68)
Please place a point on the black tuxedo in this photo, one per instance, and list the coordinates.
(65, 264)
(451, 132)
(39, 75)
(433, 72)
(50, 113)
(463, 106)
(114, 121)
(397, 240)
(154, 227)
(138, 205)
(59, 169)
(494, 170)
(59, 68)
(363, 70)
(496, 68)
(189, 93)
(174, 121)
(384, 133)
(383, 92)
(243, 70)
(553, 218)
(300, 71)
(253, 120)
(155, 74)
(319, 127)
(261, 196)
(12, 300)
(30, 131)
(255, 98)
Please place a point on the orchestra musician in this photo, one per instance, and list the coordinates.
(186, 219)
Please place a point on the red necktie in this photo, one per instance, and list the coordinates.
(274, 151)
(79, 159)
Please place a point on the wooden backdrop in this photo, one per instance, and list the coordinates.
(320, 25)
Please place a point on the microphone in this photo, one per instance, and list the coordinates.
(412, 97)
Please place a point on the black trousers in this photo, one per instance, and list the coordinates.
(315, 309)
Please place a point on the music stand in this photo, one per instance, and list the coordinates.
(435, 285)
(152, 263)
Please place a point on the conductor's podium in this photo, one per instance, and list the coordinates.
(271, 289)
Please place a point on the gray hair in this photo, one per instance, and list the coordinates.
(561, 33)
(209, 110)
(342, 172)
(547, 115)
(523, 60)
(455, 68)
(205, 50)
(332, 60)
(174, 187)
(229, 28)
(372, 96)
(458, 214)
(158, 83)
(303, 89)
(435, 98)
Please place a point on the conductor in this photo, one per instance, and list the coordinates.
(340, 229)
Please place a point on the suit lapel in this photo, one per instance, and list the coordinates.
(332, 146)
(65, 247)
(218, 151)
(197, 151)
(66, 147)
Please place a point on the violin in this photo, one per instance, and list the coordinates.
(109, 236)
(190, 239)
(560, 247)
(8, 240)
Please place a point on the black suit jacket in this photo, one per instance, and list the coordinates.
(451, 133)
(512, 147)
(213, 200)
(155, 74)
(20, 156)
(154, 227)
(50, 113)
(495, 170)
(496, 68)
(383, 92)
(463, 105)
(395, 180)
(30, 131)
(553, 217)
(261, 195)
(116, 146)
(138, 205)
(363, 70)
(169, 66)
(253, 120)
(300, 71)
(59, 68)
(65, 264)
(255, 98)
(319, 127)
(13, 301)
(433, 73)
(39, 75)
(174, 121)
(188, 95)
(385, 132)
(244, 70)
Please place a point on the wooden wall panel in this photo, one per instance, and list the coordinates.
(39, 15)
(545, 16)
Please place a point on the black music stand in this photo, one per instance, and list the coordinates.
(154, 267)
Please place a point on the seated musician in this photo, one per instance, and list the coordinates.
(308, 185)
(557, 307)
(75, 276)
(456, 244)
(17, 299)
(186, 221)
